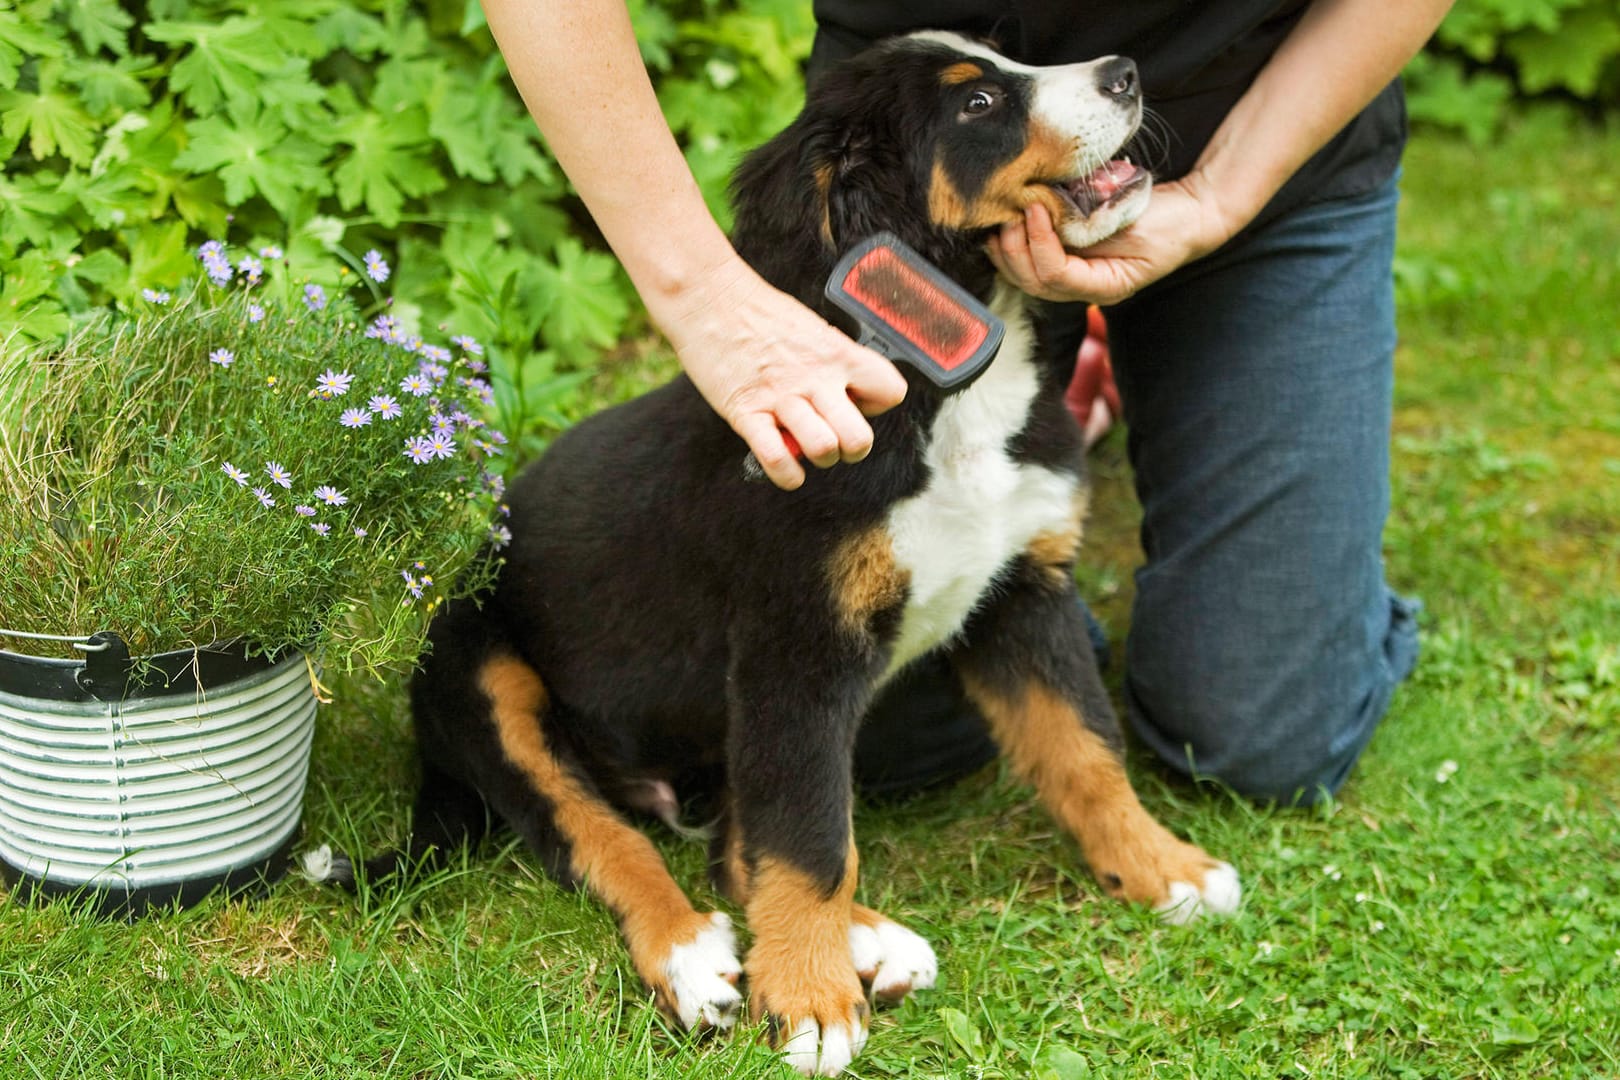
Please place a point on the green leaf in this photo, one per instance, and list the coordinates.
(1514, 1030)
(52, 122)
(159, 255)
(258, 157)
(225, 62)
(1572, 57)
(388, 162)
(20, 39)
(113, 88)
(31, 205)
(963, 1033)
(1061, 1063)
(100, 24)
(585, 303)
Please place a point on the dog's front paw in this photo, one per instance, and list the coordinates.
(818, 1028)
(1216, 891)
(890, 959)
(699, 985)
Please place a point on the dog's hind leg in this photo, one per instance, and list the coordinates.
(1026, 663)
(688, 958)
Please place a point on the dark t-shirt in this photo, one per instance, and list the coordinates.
(1196, 59)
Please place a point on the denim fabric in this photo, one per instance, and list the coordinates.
(1264, 644)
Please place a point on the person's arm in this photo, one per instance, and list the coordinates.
(761, 359)
(1342, 53)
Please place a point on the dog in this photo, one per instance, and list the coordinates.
(661, 625)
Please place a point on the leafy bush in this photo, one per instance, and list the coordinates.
(1489, 52)
(244, 461)
(135, 131)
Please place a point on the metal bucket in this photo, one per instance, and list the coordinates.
(152, 788)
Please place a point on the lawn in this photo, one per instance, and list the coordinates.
(1456, 913)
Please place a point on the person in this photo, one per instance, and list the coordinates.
(1250, 318)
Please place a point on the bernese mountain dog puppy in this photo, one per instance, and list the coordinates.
(664, 625)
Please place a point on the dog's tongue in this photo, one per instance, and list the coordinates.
(1107, 179)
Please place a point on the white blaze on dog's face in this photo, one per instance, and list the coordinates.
(1022, 135)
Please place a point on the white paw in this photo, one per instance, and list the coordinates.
(894, 960)
(815, 1051)
(1219, 895)
(702, 977)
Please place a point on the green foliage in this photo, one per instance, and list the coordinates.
(224, 465)
(1487, 52)
(135, 131)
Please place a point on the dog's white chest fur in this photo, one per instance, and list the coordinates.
(980, 508)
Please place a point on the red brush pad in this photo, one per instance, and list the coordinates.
(916, 308)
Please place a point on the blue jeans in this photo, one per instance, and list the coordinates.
(1264, 645)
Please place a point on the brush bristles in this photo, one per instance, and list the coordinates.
(915, 309)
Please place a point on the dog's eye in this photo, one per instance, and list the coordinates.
(981, 101)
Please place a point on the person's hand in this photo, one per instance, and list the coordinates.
(769, 365)
(1180, 224)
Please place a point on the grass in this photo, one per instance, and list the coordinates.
(1418, 927)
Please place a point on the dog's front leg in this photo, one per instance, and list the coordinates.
(794, 711)
(1027, 663)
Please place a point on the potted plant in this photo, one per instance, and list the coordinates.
(209, 500)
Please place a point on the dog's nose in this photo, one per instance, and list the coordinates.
(1117, 79)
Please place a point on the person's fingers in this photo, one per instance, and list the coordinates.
(1048, 258)
(853, 432)
(875, 384)
(816, 438)
(771, 450)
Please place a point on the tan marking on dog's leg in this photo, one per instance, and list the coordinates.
(1082, 782)
(824, 173)
(731, 876)
(682, 954)
(800, 972)
(1053, 553)
(865, 578)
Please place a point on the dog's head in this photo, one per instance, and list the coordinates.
(942, 140)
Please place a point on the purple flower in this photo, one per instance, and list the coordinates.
(304, 511)
(440, 422)
(467, 344)
(415, 385)
(359, 532)
(436, 353)
(264, 497)
(278, 474)
(255, 313)
(251, 269)
(386, 407)
(501, 536)
(315, 297)
(330, 495)
(375, 267)
(215, 263)
(155, 296)
(223, 357)
(419, 450)
(381, 327)
(234, 473)
(414, 586)
(333, 383)
(355, 418)
(442, 444)
(321, 527)
(270, 252)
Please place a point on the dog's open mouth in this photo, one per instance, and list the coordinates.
(1109, 183)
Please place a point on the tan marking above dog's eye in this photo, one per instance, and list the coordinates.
(964, 72)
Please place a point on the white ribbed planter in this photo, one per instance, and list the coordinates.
(191, 782)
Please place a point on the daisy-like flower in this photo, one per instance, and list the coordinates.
(381, 327)
(415, 385)
(355, 418)
(477, 367)
(385, 407)
(278, 475)
(264, 497)
(215, 262)
(321, 527)
(223, 357)
(443, 444)
(314, 297)
(270, 252)
(359, 532)
(410, 342)
(436, 372)
(420, 451)
(155, 296)
(467, 345)
(255, 313)
(436, 353)
(330, 495)
(376, 268)
(332, 383)
(304, 511)
(440, 422)
(251, 269)
(500, 535)
(411, 584)
(234, 473)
